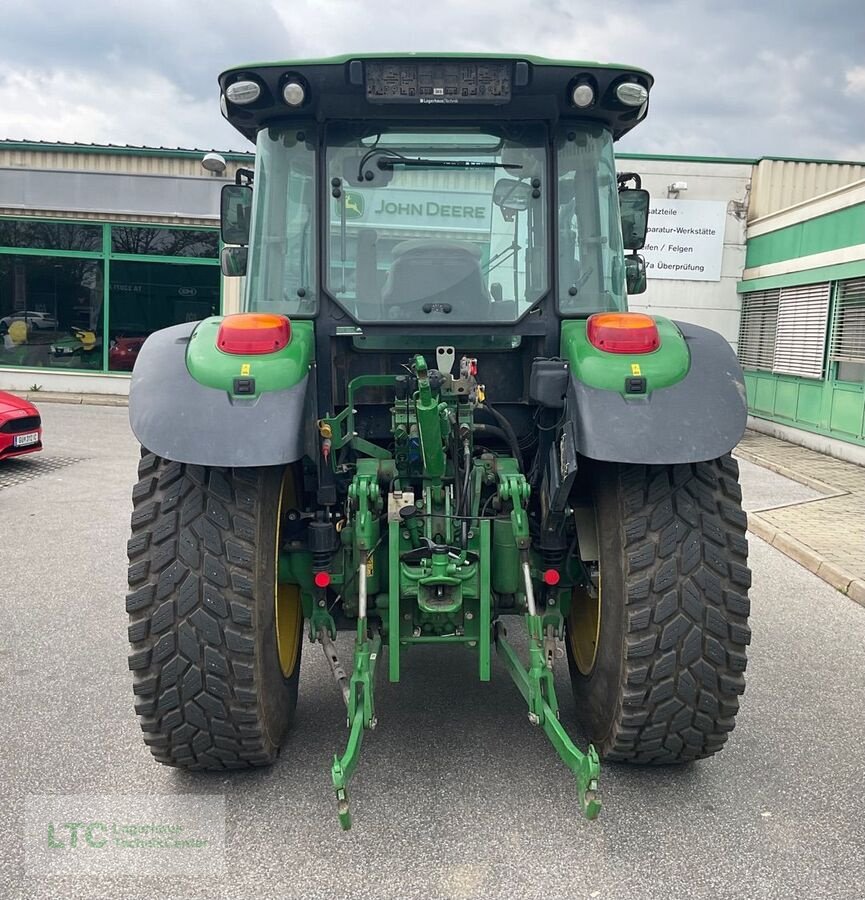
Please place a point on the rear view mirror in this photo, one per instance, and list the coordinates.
(234, 213)
(512, 195)
(232, 261)
(635, 274)
(635, 217)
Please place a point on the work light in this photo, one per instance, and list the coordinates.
(242, 92)
(583, 95)
(632, 94)
(293, 93)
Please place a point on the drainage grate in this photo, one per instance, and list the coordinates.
(23, 468)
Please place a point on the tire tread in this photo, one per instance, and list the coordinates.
(686, 584)
(192, 616)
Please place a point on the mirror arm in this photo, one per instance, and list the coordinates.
(240, 174)
(622, 179)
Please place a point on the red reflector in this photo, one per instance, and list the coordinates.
(253, 333)
(551, 577)
(624, 332)
(321, 579)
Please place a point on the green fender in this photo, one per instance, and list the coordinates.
(693, 408)
(185, 400)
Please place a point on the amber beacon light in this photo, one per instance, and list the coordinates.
(624, 332)
(251, 333)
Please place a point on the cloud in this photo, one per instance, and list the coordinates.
(734, 79)
(142, 108)
(855, 82)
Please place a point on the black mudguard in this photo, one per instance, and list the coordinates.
(177, 418)
(701, 417)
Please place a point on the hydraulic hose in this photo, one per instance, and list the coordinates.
(493, 430)
(507, 428)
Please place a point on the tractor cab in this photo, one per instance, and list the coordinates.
(438, 193)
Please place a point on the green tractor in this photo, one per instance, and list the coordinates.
(437, 423)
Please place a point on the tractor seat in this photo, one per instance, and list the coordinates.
(437, 272)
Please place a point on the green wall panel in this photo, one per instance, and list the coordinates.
(786, 399)
(764, 399)
(822, 407)
(809, 407)
(841, 228)
(847, 410)
(751, 381)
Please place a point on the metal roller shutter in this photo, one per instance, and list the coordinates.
(757, 327)
(800, 337)
(848, 332)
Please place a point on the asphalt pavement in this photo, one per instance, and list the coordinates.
(456, 794)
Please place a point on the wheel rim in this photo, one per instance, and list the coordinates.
(288, 612)
(584, 628)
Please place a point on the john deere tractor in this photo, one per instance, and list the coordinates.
(435, 422)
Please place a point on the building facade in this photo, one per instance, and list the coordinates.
(802, 327)
(99, 246)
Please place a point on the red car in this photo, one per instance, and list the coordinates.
(123, 352)
(20, 426)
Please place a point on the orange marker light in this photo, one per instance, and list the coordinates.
(624, 332)
(253, 333)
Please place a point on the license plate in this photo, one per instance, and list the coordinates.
(25, 440)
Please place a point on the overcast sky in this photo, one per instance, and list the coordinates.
(732, 77)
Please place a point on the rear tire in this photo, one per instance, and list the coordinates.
(210, 692)
(665, 682)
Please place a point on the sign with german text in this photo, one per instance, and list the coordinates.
(685, 240)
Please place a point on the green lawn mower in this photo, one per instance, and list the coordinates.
(435, 417)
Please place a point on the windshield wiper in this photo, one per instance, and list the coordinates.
(387, 162)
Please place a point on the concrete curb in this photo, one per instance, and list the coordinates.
(792, 474)
(38, 397)
(833, 575)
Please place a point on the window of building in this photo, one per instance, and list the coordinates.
(37, 234)
(784, 330)
(51, 312)
(757, 327)
(847, 345)
(144, 241)
(64, 284)
(800, 340)
(147, 296)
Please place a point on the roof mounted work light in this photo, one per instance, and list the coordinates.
(243, 92)
(632, 93)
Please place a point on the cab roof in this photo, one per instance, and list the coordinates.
(433, 87)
